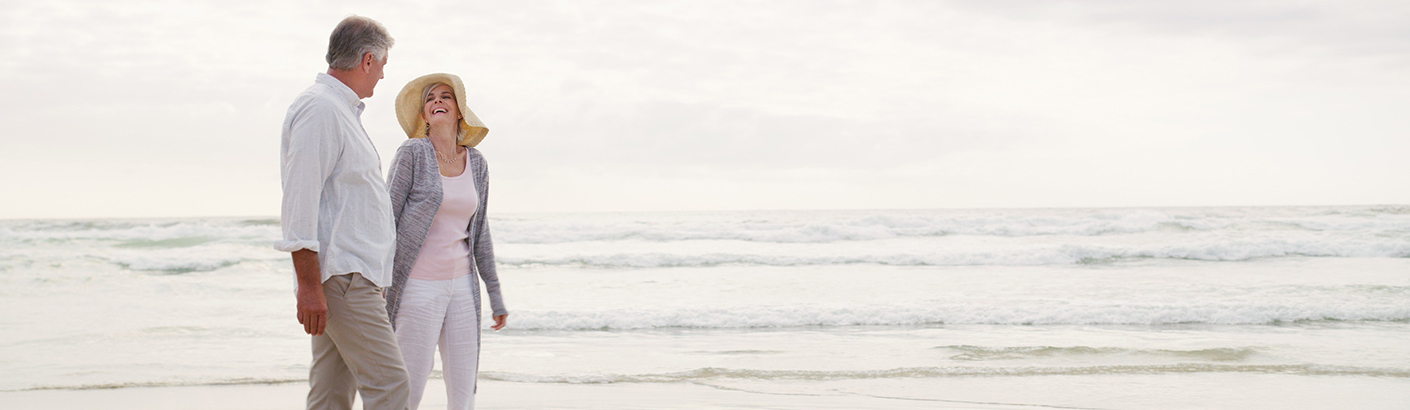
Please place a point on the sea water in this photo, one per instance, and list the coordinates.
(1297, 307)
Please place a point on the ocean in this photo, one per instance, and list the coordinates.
(1248, 308)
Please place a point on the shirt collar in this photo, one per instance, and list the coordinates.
(340, 88)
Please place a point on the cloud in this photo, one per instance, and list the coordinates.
(729, 105)
(1347, 29)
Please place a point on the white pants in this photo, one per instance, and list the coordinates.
(440, 312)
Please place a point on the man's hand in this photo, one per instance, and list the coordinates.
(500, 321)
(313, 309)
(312, 304)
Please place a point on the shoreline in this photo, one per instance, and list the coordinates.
(493, 395)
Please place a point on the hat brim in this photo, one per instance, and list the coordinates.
(409, 103)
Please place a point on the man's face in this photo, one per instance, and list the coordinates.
(375, 74)
(368, 74)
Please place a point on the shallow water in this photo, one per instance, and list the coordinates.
(1095, 308)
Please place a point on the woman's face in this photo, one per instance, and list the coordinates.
(439, 106)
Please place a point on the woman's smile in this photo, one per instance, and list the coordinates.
(440, 101)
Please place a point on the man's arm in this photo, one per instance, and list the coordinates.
(307, 157)
(313, 306)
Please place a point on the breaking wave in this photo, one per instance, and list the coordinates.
(1391, 308)
(714, 373)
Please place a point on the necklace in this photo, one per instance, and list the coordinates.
(445, 159)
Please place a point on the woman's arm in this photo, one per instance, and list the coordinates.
(484, 249)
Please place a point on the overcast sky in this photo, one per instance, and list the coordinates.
(173, 108)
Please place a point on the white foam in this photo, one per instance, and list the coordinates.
(901, 238)
(714, 373)
(139, 230)
(170, 245)
(195, 259)
(952, 251)
(1244, 313)
(719, 373)
(822, 226)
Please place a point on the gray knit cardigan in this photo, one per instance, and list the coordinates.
(414, 182)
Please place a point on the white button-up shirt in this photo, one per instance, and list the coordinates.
(335, 200)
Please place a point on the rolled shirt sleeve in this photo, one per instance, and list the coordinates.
(308, 153)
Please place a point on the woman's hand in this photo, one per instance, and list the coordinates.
(500, 321)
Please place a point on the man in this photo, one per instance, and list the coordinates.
(337, 221)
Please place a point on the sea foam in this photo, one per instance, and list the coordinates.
(834, 226)
(1042, 313)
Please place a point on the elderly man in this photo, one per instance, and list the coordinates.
(337, 221)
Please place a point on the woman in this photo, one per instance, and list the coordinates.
(438, 184)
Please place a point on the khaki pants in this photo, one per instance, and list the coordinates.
(357, 351)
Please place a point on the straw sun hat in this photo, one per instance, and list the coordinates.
(410, 101)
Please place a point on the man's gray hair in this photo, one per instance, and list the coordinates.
(354, 37)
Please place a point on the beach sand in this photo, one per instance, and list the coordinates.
(493, 395)
(1226, 391)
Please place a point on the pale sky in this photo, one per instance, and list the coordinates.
(173, 108)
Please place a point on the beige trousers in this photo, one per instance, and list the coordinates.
(357, 351)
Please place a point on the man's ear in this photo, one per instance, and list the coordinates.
(367, 59)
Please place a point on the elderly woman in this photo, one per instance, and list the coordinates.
(439, 188)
